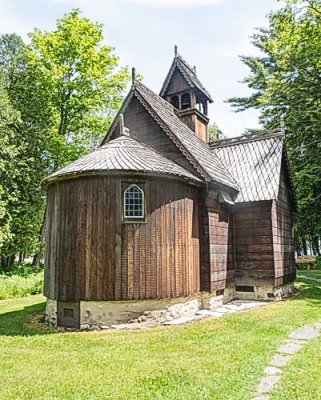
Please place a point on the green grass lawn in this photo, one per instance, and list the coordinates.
(315, 273)
(211, 359)
(302, 378)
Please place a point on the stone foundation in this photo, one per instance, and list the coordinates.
(51, 312)
(266, 293)
(95, 314)
(104, 314)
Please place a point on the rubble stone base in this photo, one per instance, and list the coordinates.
(104, 314)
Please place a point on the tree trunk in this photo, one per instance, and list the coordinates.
(305, 247)
(316, 245)
(7, 262)
(298, 245)
(21, 257)
(38, 256)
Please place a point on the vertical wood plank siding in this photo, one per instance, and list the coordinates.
(254, 259)
(92, 254)
(214, 242)
(283, 242)
(147, 131)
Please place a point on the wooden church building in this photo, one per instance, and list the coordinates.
(160, 214)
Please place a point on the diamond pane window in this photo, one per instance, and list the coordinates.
(134, 202)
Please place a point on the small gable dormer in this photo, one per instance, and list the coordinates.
(185, 92)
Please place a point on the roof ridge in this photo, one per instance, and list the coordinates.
(165, 102)
(234, 141)
(194, 159)
(172, 108)
(186, 64)
(181, 146)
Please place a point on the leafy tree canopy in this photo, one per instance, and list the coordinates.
(215, 132)
(285, 80)
(58, 95)
(80, 81)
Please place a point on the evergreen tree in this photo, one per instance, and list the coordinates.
(285, 81)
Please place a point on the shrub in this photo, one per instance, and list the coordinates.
(23, 269)
(20, 286)
(302, 266)
(318, 263)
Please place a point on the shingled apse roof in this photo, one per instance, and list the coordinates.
(122, 154)
(255, 163)
(188, 73)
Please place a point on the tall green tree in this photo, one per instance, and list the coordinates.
(79, 80)
(27, 169)
(66, 85)
(285, 81)
(8, 151)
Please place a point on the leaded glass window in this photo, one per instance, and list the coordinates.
(134, 202)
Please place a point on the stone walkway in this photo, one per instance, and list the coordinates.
(165, 317)
(294, 343)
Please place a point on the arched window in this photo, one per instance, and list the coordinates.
(175, 101)
(134, 202)
(186, 101)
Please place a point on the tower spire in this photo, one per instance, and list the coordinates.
(133, 75)
(175, 50)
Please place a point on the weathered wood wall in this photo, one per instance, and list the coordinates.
(283, 243)
(147, 131)
(92, 254)
(177, 83)
(253, 244)
(214, 242)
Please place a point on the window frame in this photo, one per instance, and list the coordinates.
(175, 96)
(133, 217)
(186, 94)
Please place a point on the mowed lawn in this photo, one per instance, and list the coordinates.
(315, 273)
(213, 359)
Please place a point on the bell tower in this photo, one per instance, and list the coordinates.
(185, 92)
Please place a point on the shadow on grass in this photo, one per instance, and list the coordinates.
(25, 322)
(308, 291)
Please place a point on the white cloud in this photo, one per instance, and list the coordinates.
(176, 3)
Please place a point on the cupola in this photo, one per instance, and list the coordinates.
(185, 92)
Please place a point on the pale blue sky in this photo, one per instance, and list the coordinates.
(210, 34)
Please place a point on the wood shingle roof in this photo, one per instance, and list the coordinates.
(195, 149)
(120, 155)
(255, 163)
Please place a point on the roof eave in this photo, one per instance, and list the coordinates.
(96, 172)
